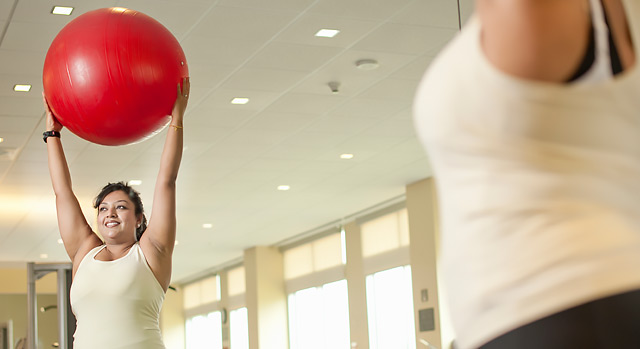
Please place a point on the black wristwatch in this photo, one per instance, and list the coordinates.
(48, 134)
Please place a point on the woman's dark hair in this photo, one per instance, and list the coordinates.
(133, 195)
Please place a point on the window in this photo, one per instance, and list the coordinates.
(204, 322)
(385, 233)
(236, 281)
(205, 291)
(204, 331)
(319, 317)
(239, 329)
(390, 309)
(322, 254)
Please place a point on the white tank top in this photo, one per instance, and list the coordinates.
(538, 186)
(116, 303)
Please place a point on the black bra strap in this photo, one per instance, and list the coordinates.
(590, 54)
(616, 63)
(588, 59)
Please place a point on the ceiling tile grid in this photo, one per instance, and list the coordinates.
(359, 9)
(177, 16)
(303, 30)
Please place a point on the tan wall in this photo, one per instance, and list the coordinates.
(424, 236)
(13, 304)
(14, 281)
(13, 307)
(420, 207)
(172, 320)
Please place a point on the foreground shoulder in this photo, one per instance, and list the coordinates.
(537, 39)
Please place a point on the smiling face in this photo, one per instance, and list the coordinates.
(117, 219)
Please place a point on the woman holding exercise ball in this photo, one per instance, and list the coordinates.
(119, 281)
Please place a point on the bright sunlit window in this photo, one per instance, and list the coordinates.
(390, 309)
(239, 329)
(319, 317)
(204, 331)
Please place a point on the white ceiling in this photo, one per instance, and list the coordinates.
(291, 132)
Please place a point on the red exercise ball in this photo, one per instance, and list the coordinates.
(110, 76)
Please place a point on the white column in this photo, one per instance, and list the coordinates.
(422, 210)
(354, 272)
(266, 298)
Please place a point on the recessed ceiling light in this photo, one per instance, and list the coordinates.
(207, 225)
(44, 256)
(60, 241)
(327, 33)
(135, 182)
(22, 88)
(346, 156)
(240, 100)
(1, 139)
(62, 10)
(284, 187)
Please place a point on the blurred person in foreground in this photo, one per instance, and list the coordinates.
(531, 120)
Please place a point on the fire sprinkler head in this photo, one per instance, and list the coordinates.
(334, 86)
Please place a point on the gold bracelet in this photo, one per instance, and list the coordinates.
(176, 127)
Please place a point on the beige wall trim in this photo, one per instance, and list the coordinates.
(236, 262)
(203, 309)
(236, 301)
(336, 224)
(310, 238)
(315, 279)
(387, 260)
(381, 212)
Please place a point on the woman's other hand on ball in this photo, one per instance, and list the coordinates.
(181, 99)
(52, 123)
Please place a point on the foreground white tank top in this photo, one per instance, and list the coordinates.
(117, 303)
(538, 185)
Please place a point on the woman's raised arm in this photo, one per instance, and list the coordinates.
(75, 232)
(161, 231)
